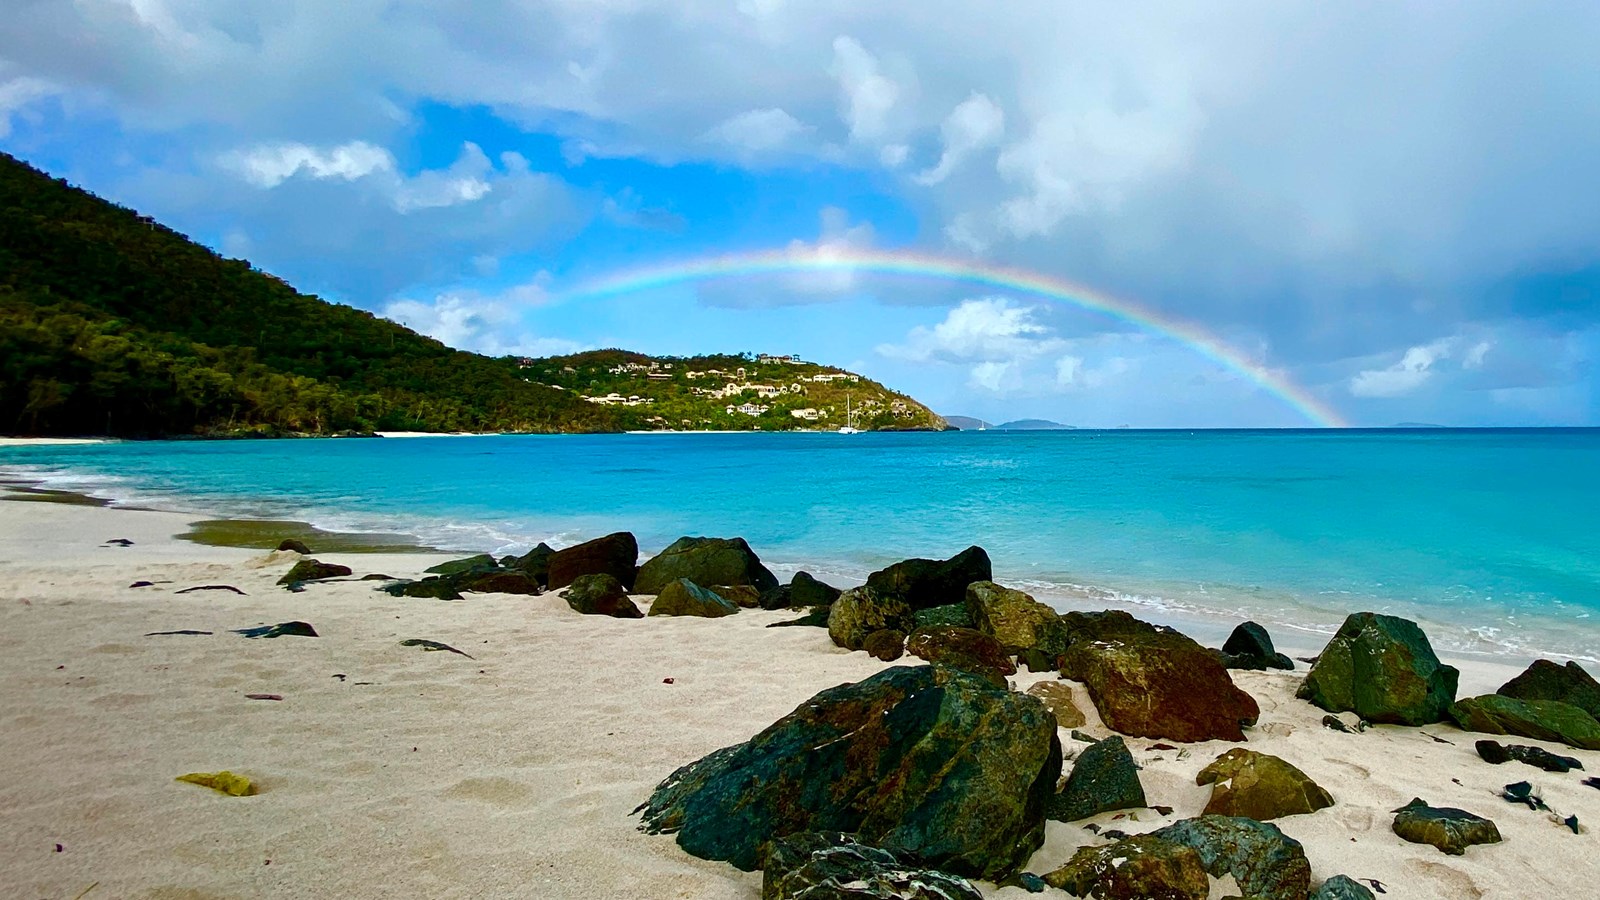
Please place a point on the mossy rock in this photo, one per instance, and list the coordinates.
(860, 611)
(1383, 669)
(1103, 778)
(685, 598)
(1260, 786)
(1057, 697)
(483, 562)
(706, 561)
(1544, 680)
(967, 649)
(885, 644)
(1265, 862)
(1451, 830)
(1015, 619)
(601, 595)
(312, 570)
(1136, 868)
(924, 583)
(1544, 720)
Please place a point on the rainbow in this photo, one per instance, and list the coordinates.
(903, 263)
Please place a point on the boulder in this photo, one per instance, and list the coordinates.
(481, 562)
(1266, 863)
(1016, 620)
(1105, 626)
(817, 617)
(497, 581)
(1104, 778)
(1155, 682)
(966, 649)
(1538, 757)
(831, 866)
(1451, 830)
(1261, 787)
(536, 563)
(616, 555)
(433, 588)
(1542, 720)
(1057, 698)
(1136, 868)
(860, 611)
(685, 598)
(1342, 887)
(952, 614)
(885, 644)
(311, 570)
(741, 595)
(1544, 680)
(1382, 668)
(805, 590)
(1250, 647)
(601, 595)
(923, 760)
(704, 560)
(293, 546)
(923, 583)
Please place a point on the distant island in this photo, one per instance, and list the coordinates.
(968, 423)
(112, 324)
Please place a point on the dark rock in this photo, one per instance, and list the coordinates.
(1057, 698)
(1104, 778)
(1259, 786)
(704, 560)
(1538, 757)
(1384, 669)
(434, 588)
(860, 611)
(1250, 647)
(885, 644)
(1451, 830)
(685, 598)
(616, 555)
(1265, 862)
(955, 615)
(1522, 792)
(832, 866)
(1104, 626)
(1135, 868)
(741, 595)
(497, 581)
(1341, 887)
(311, 570)
(1028, 881)
(1155, 682)
(375, 576)
(1543, 720)
(483, 562)
(284, 629)
(1037, 660)
(924, 583)
(1016, 620)
(776, 598)
(293, 546)
(1544, 680)
(535, 562)
(926, 760)
(805, 590)
(966, 649)
(817, 618)
(601, 595)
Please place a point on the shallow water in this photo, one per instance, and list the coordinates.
(1488, 536)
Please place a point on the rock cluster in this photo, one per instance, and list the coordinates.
(615, 554)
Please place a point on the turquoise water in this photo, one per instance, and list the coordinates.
(1490, 536)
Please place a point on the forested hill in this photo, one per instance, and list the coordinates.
(112, 324)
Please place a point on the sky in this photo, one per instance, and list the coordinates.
(1268, 214)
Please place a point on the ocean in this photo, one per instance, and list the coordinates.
(1488, 537)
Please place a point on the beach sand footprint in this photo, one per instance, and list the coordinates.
(493, 790)
(1455, 883)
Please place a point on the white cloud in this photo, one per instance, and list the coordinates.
(976, 123)
(989, 330)
(1413, 370)
(758, 130)
(1072, 374)
(1474, 357)
(269, 165)
(17, 94)
(490, 324)
(992, 376)
(867, 96)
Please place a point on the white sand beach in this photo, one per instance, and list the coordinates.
(389, 771)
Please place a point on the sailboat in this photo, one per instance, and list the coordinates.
(849, 425)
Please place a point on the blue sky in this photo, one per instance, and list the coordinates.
(1394, 207)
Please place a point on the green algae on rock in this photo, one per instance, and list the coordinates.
(1384, 669)
(1544, 720)
(685, 598)
(223, 782)
(1451, 830)
(1103, 778)
(1260, 786)
(1142, 867)
(705, 561)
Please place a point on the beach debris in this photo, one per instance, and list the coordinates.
(817, 617)
(179, 631)
(815, 864)
(1376, 885)
(601, 595)
(969, 770)
(705, 561)
(312, 570)
(1538, 757)
(1447, 828)
(685, 598)
(433, 646)
(1250, 647)
(1149, 681)
(1077, 735)
(1341, 887)
(1260, 786)
(1438, 740)
(885, 644)
(615, 554)
(1572, 823)
(283, 629)
(290, 545)
(1523, 792)
(1544, 680)
(1264, 861)
(263, 696)
(1104, 778)
(1543, 720)
(145, 584)
(85, 892)
(1161, 745)
(1057, 698)
(1021, 624)
(211, 587)
(340, 675)
(1139, 866)
(1382, 668)
(1592, 782)
(223, 782)
(669, 681)
(967, 649)
(118, 542)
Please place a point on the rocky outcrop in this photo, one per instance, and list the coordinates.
(1057, 698)
(536, 563)
(1266, 863)
(706, 561)
(927, 760)
(860, 611)
(1538, 757)
(1543, 720)
(482, 561)
(615, 554)
(833, 866)
(1103, 778)
(1259, 786)
(1382, 668)
(1341, 887)
(925, 583)
(1016, 620)
(601, 595)
(1154, 682)
(1136, 868)
(1250, 647)
(685, 598)
(312, 570)
(1544, 680)
(955, 615)
(886, 644)
(966, 649)
(1451, 830)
